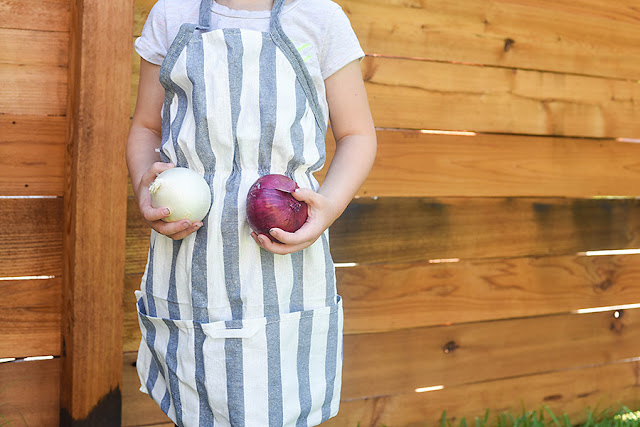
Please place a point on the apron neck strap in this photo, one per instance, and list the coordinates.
(205, 13)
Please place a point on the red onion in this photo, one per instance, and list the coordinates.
(270, 204)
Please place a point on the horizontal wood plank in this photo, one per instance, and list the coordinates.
(417, 164)
(593, 37)
(379, 298)
(419, 229)
(401, 361)
(32, 47)
(31, 243)
(397, 296)
(395, 229)
(33, 89)
(569, 392)
(30, 393)
(30, 312)
(32, 150)
(45, 15)
(413, 94)
(405, 93)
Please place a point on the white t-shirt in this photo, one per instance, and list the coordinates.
(321, 24)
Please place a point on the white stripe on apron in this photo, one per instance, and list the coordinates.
(234, 335)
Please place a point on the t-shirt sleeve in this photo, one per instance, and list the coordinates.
(152, 45)
(340, 45)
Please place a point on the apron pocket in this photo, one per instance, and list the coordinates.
(247, 370)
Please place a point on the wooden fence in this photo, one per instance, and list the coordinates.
(507, 134)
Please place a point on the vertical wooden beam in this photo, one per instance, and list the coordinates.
(95, 211)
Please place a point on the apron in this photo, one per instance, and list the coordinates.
(233, 335)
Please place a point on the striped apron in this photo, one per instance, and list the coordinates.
(233, 335)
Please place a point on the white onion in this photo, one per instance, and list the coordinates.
(184, 192)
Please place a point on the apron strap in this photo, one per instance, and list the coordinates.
(205, 15)
(291, 53)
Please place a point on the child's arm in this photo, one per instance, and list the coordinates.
(142, 159)
(355, 136)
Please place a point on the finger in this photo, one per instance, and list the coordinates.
(155, 170)
(278, 248)
(303, 234)
(171, 228)
(184, 233)
(154, 214)
(306, 195)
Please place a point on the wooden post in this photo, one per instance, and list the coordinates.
(95, 211)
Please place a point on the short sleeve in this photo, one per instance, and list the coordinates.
(153, 44)
(340, 45)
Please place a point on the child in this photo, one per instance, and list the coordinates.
(239, 330)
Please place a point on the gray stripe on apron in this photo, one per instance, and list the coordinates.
(172, 366)
(230, 237)
(331, 361)
(186, 30)
(321, 147)
(151, 330)
(297, 134)
(205, 412)
(172, 345)
(171, 89)
(289, 50)
(151, 333)
(199, 297)
(268, 104)
(172, 296)
(297, 260)
(304, 385)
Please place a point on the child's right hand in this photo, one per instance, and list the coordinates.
(176, 230)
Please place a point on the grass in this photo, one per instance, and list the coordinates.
(544, 417)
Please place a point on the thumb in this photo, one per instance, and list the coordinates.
(304, 194)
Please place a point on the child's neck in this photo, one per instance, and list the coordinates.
(249, 4)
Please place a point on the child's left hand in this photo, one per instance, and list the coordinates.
(320, 215)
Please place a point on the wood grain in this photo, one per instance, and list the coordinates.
(32, 150)
(30, 313)
(45, 15)
(398, 296)
(31, 242)
(98, 112)
(30, 392)
(401, 361)
(592, 37)
(387, 297)
(406, 93)
(572, 392)
(401, 230)
(413, 94)
(31, 47)
(33, 89)
(569, 392)
(415, 164)
(418, 229)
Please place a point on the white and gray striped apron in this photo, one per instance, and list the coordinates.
(233, 335)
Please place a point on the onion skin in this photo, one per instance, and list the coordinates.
(184, 192)
(270, 204)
